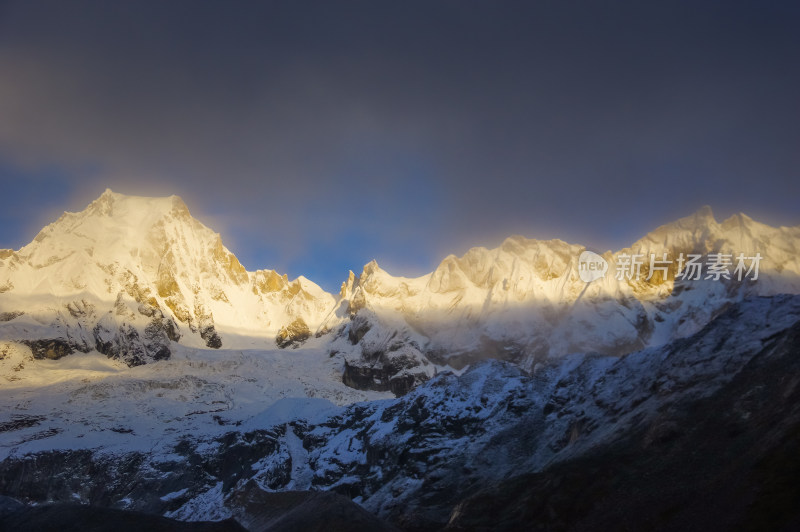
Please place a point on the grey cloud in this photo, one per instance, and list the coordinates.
(444, 123)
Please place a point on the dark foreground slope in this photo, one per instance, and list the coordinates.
(727, 462)
(308, 511)
(66, 517)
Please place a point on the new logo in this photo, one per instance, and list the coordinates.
(591, 266)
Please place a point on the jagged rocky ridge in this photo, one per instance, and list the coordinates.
(524, 302)
(529, 446)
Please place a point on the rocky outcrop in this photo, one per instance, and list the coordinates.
(385, 359)
(50, 349)
(293, 335)
(132, 336)
(8, 316)
(205, 324)
(126, 344)
(392, 372)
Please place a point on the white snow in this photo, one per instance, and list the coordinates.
(87, 401)
(174, 495)
(209, 506)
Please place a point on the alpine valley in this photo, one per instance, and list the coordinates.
(147, 379)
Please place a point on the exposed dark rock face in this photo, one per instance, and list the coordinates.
(107, 480)
(212, 339)
(359, 327)
(126, 344)
(116, 338)
(205, 324)
(383, 374)
(20, 421)
(58, 476)
(8, 316)
(389, 361)
(50, 349)
(235, 455)
(162, 324)
(294, 334)
(363, 377)
(118, 334)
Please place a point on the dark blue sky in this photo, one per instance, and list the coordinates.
(316, 136)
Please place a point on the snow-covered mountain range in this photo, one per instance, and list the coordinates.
(525, 301)
(143, 368)
(130, 276)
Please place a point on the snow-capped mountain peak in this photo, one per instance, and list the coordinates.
(134, 260)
